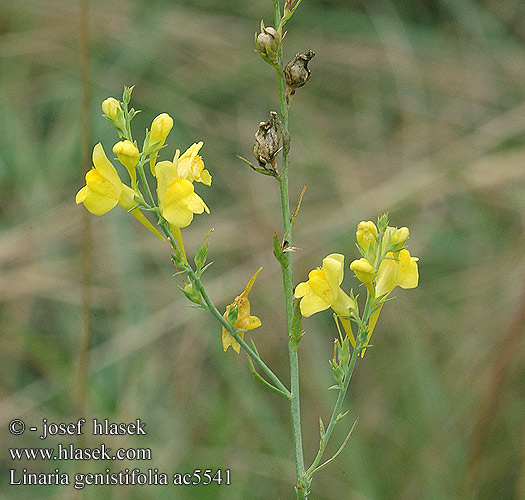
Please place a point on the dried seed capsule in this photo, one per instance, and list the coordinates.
(296, 72)
(267, 141)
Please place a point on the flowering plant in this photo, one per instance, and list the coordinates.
(385, 262)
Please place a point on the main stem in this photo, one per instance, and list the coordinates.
(295, 409)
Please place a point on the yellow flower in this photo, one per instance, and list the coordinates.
(322, 290)
(191, 167)
(397, 269)
(103, 185)
(177, 199)
(110, 107)
(245, 321)
(366, 234)
(160, 128)
(128, 155)
(363, 270)
(104, 190)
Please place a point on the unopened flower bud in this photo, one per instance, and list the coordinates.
(363, 270)
(160, 128)
(399, 236)
(296, 72)
(128, 155)
(366, 234)
(268, 41)
(267, 141)
(110, 107)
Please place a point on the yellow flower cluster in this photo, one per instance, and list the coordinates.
(177, 199)
(385, 265)
(396, 266)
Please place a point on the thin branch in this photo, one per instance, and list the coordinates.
(338, 452)
(263, 382)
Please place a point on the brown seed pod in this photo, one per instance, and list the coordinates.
(296, 72)
(267, 141)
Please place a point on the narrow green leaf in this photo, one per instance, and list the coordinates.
(341, 416)
(321, 428)
(298, 206)
(254, 347)
(201, 272)
(278, 252)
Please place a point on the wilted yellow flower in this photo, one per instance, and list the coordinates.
(245, 320)
(363, 270)
(366, 234)
(322, 290)
(128, 155)
(160, 128)
(110, 107)
(191, 167)
(104, 190)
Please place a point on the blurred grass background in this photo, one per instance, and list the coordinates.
(414, 107)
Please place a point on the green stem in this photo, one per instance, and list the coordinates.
(145, 183)
(276, 13)
(286, 270)
(337, 407)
